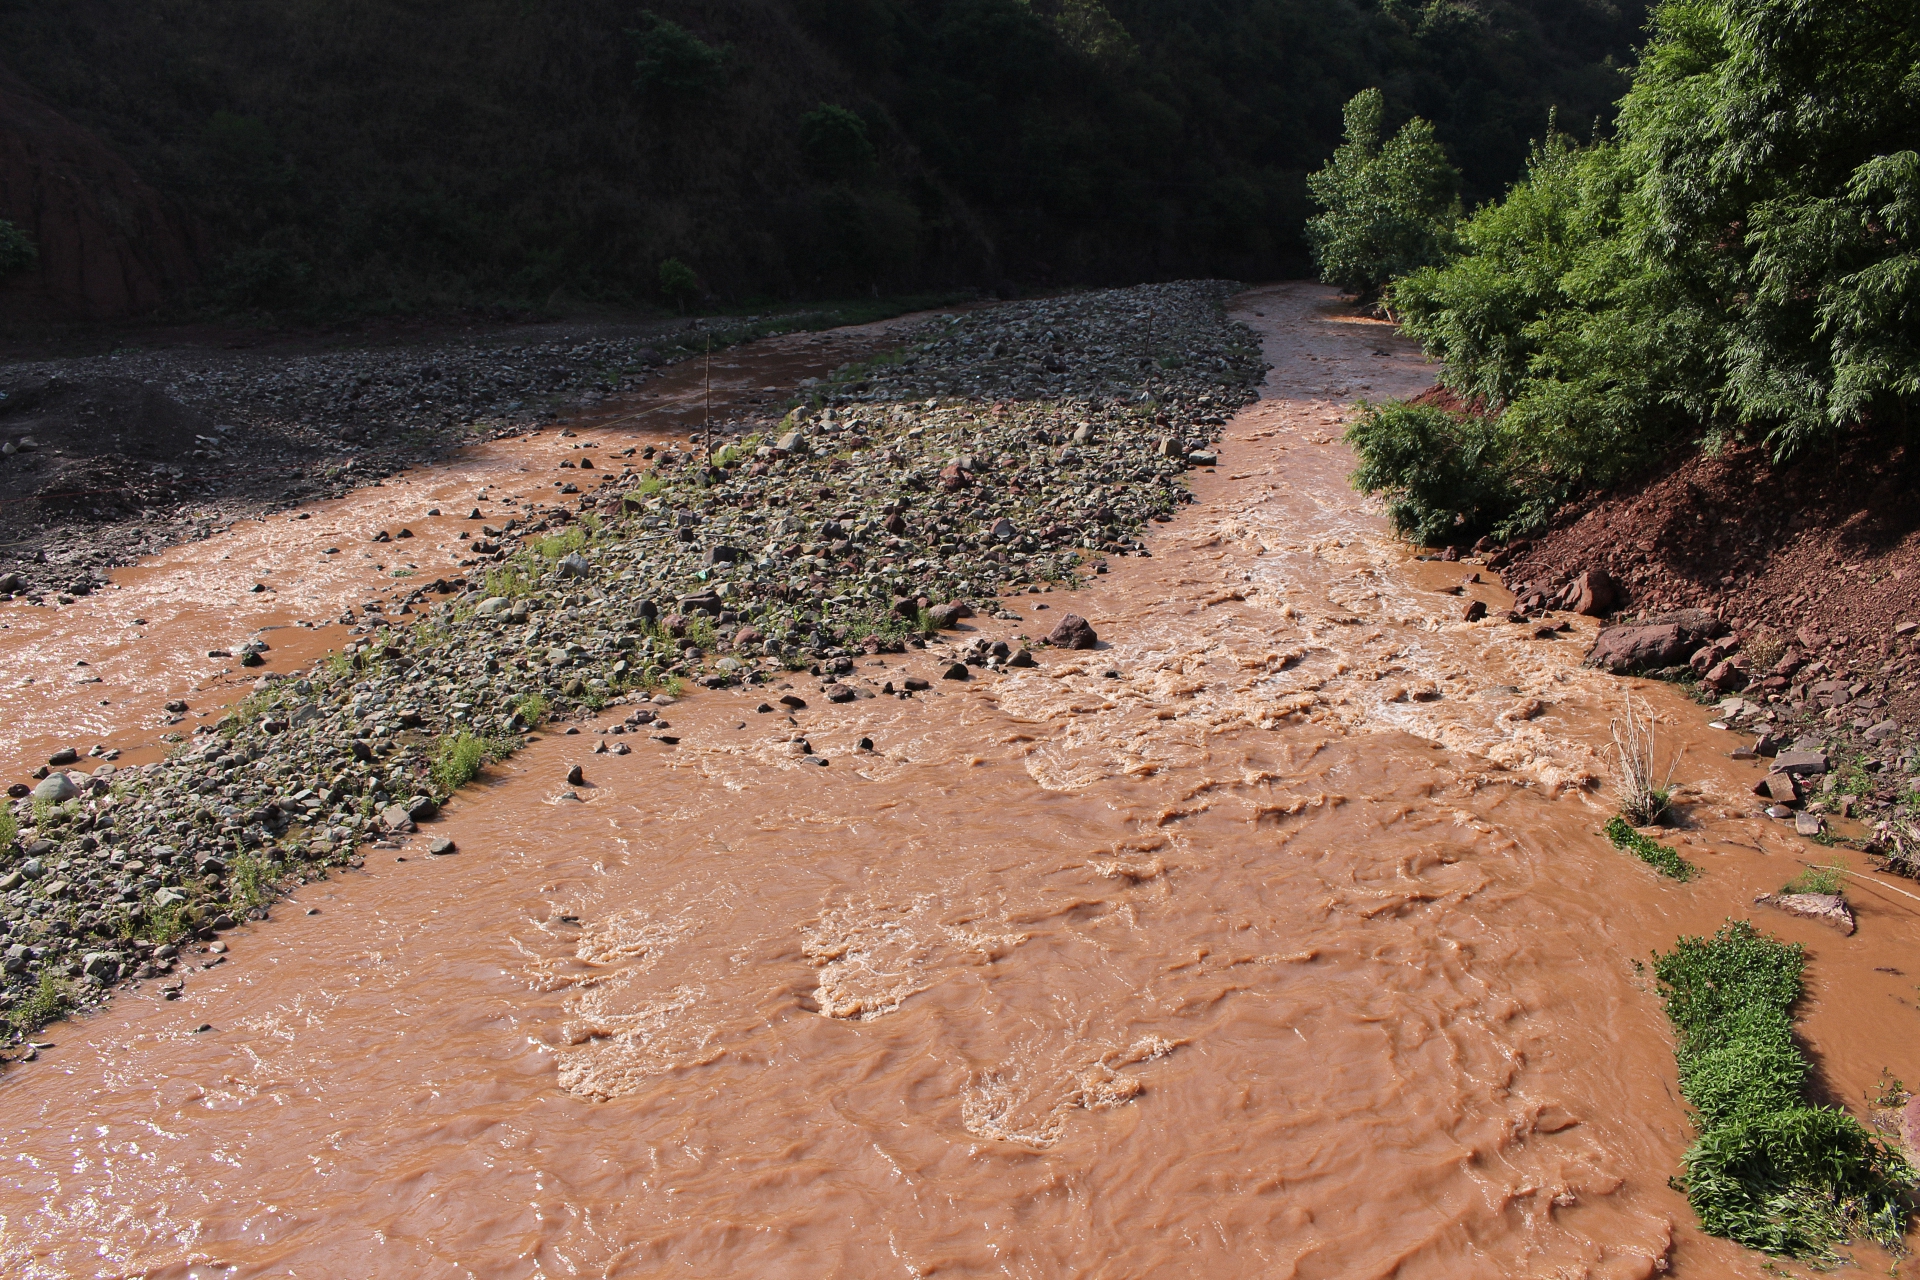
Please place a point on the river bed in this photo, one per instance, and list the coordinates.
(1273, 938)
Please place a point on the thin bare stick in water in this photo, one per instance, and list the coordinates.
(1643, 801)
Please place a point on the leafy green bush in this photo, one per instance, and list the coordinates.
(18, 253)
(1743, 260)
(1660, 857)
(1444, 474)
(1767, 1170)
(9, 827)
(1387, 208)
(671, 62)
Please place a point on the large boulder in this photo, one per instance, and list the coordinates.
(1595, 594)
(946, 617)
(1665, 640)
(1073, 632)
(57, 788)
(1623, 650)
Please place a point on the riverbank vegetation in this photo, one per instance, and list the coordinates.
(1738, 259)
(1768, 1170)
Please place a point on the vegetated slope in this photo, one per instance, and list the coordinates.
(1741, 261)
(363, 154)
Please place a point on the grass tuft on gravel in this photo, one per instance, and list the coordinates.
(1767, 1170)
(459, 757)
(1661, 858)
(49, 1000)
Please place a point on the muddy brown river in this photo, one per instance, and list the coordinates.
(1275, 938)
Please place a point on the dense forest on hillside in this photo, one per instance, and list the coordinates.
(1739, 259)
(392, 154)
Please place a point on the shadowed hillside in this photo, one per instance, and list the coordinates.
(370, 155)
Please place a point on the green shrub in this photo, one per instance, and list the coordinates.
(834, 142)
(1743, 260)
(1443, 474)
(9, 827)
(165, 924)
(678, 283)
(1767, 1170)
(671, 62)
(246, 880)
(18, 253)
(1666, 861)
(532, 709)
(1387, 208)
(1828, 880)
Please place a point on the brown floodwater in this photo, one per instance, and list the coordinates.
(1274, 938)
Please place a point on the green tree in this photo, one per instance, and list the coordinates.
(1742, 260)
(835, 143)
(17, 250)
(1388, 209)
(673, 63)
(678, 282)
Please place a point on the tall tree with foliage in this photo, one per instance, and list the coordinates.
(17, 251)
(1387, 208)
(1741, 260)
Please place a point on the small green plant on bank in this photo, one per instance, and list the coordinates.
(458, 759)
(9, 827)
(556, 546)
(246, 880)
(49, 1000)
(510, 579)
(1767, 1170)
(1660, 857)
(1824, 880)
(532, 709)
(1889, 1091)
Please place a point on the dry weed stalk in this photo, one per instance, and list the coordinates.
(1643, 801)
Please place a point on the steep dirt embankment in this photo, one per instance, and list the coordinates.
(110, 245)
(1811, 568)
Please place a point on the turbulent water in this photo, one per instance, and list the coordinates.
(1272, 939)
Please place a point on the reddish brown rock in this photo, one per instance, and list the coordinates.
(1073, 632)
(1724, 677)
(1627, 649)
(1595, 594)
